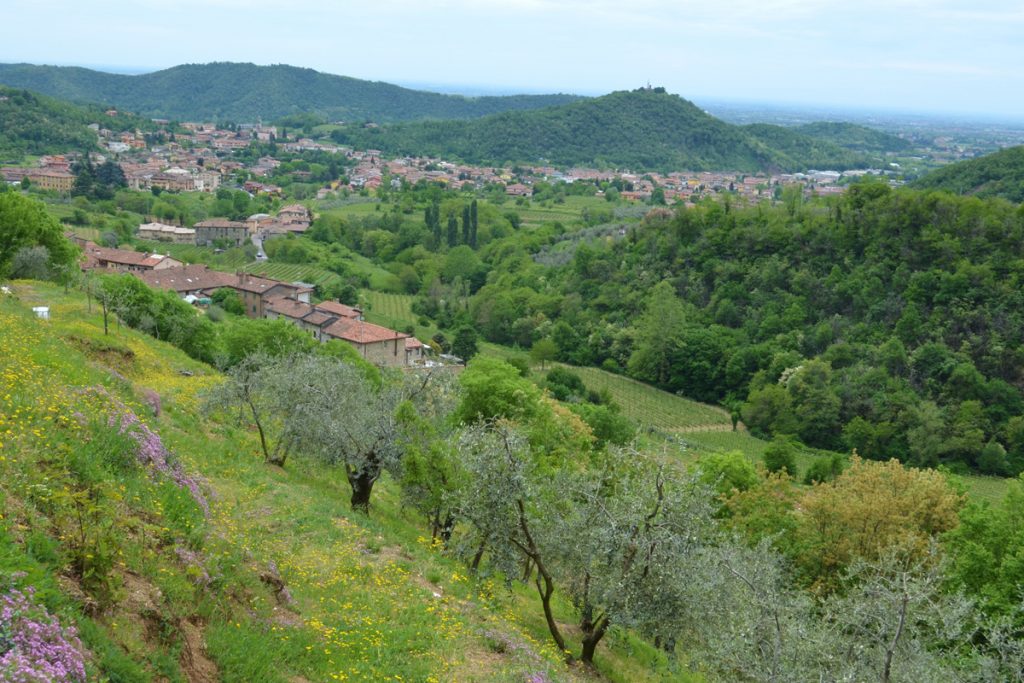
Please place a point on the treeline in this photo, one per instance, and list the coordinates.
(644, 129)
(225, 91)
(884, 321)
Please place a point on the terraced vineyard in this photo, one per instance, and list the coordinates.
(394, 311)
(291, 272)
(647, 405)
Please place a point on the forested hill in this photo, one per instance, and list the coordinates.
(1000, 174)
(886, 321)
(642, 129)
(35, 124)
(854, 137)
(246, 92)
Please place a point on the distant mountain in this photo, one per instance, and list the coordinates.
(643, 129)
(854, 137)
(1000, 174)
(246, 92)
(36, 124)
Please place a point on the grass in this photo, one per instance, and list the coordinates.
(373, 599)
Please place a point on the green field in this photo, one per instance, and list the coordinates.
(394, 311)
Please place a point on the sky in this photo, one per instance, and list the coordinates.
(941, 56)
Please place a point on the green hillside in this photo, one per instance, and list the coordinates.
(803, 151)
(246, 92)
(35, 124)
(1000, 174)
(647, 129)
(853, 137)
(109, 460)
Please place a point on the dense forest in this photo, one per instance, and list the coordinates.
(226, 91)
(884, 321)
(646, 128)
(35, 124)
(1000, 174)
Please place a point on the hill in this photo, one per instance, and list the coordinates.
(799, 151)
(647, 129)
(247, 92)
(853, 137)
(35, 124)
(156, 531)
(1000, 174)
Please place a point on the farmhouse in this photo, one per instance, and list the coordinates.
(124, 261)
(167, 233)
(221, 230)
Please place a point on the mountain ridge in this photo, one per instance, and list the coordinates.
(642, 129)
(246, 91)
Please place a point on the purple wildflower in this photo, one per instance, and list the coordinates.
(34, 647)
(151, 451)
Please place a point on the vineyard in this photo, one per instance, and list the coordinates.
(291, 272)
(649, 406)
(394, 311)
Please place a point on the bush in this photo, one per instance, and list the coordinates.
(781, 455)
(825, 468)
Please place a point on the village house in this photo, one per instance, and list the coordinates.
(124, 261)
(167, 233)
(174, 180)
(49, 178)
(375, 343)
(221, 230)
(254, 291)
(310, 317)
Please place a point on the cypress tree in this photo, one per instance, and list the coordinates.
(465, 225)
(473, 224)
(453, 230)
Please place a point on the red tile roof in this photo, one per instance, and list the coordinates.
(339, 309)
(361, 332)
(187, 278)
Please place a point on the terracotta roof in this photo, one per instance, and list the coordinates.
(361, 332)
(318, 318)
(132, 258)
(155, 260)
(339, 309)
(187, 278)
(412, 343)
(289, 307)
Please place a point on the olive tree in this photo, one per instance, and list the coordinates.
(619, 539)
(892, 622)
(330, 411)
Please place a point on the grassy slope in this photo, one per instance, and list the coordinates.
(373, 601)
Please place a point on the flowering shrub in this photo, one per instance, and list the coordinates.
(34, 647)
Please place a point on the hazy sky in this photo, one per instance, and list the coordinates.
(910, 55)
